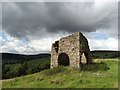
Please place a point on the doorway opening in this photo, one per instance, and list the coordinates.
(63, 59)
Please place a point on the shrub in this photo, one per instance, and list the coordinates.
(55, 70)
(95, 67)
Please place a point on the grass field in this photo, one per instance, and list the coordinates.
(103, 74)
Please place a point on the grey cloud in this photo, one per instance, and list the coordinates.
(40, 19)
(119, 21)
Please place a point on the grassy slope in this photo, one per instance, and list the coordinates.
(69, 79)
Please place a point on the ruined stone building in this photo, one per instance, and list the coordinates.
(70, 51)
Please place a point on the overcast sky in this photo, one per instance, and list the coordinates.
(31, 27)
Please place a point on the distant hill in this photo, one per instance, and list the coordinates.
(18, 58)
(105, 54)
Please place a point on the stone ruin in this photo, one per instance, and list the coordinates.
(72, 51)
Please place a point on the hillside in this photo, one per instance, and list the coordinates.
(19, 58)
(14, 65)
(102, 74)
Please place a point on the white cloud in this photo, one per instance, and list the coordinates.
(43, 45)
(34, 46)
(103, 44)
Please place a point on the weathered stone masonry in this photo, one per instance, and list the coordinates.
(69, 51)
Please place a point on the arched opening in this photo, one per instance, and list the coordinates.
(63, 59)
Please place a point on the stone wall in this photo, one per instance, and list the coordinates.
(71, 47)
